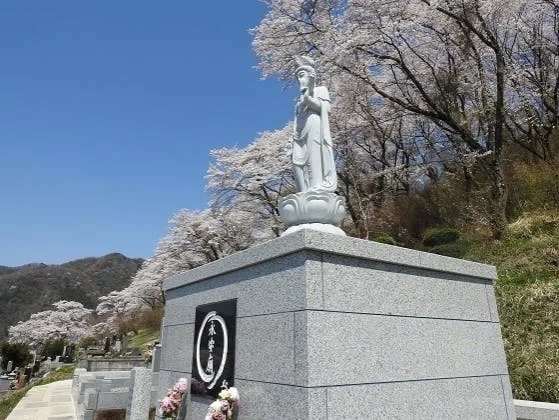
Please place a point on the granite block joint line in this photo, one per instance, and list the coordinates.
(450, 378)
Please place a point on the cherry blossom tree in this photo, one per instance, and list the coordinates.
(450, 63)
(245, 184)
(199, 237)
(113, 303)
(383, 153)
(68, 321)
(110, 310)
(253, 178)
(533, 54)
(195, 238)
(420, 88)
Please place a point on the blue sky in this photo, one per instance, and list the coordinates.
(108, 111)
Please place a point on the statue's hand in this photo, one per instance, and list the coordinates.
(310, 102)
(289, 148)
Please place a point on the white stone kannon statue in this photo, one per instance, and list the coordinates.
(315, 205)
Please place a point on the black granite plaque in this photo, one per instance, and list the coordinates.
(213, 359)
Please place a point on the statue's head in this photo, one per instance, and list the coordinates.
(305, 72)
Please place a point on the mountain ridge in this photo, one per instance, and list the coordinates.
(31, 288)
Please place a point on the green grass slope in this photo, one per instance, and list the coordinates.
(145, 337)
(527, 292)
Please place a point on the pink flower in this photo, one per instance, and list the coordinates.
(175, 395)
(167, 405)
(218, 416)
(181, 386)
(224, 407)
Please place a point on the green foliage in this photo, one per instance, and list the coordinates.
(448, 201)
(19, 353)
(456, 250)
(151, 318)
(526, 254)
(440, 236)
(533, 186)
(405, 218)
(54, 347)
(148, 319)
(8, 403)
(385, 239)
(60, 374)
(87, 341)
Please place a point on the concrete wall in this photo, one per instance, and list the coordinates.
(94, 364)
(532, 410)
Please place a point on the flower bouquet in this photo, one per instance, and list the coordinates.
(225, 406)
(170, 405)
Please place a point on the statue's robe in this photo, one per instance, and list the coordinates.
(312, 145)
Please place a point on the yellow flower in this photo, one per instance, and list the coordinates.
(224, 395)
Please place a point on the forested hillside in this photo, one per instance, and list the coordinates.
(33, 288)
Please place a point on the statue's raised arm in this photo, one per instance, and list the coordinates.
(315, 205)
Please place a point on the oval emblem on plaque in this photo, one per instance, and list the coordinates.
(212, 329)
(213, 355)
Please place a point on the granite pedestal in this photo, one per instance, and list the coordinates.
(338, 328)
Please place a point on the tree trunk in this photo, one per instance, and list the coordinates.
(498, 196)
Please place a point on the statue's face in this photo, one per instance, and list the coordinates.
(304, 79)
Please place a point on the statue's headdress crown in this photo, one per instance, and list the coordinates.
(305, 63)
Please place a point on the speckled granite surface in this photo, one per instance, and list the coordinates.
(331, 327)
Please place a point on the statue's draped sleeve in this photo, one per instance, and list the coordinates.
(324, 97)
(329, 176)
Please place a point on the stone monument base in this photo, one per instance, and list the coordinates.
(337, 328)
(322, 211)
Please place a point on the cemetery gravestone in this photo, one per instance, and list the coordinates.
(156, 358)
(124, 344)
(140, 397)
